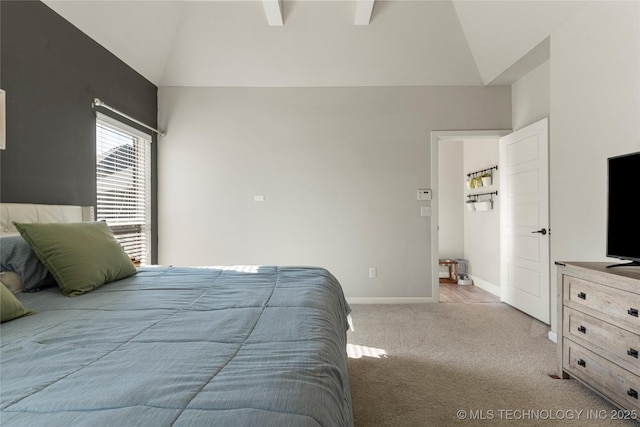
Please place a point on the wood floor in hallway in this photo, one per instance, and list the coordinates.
(465, 294)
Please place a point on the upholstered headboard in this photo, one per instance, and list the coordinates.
(28, 212)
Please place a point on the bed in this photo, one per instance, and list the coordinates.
(180, 346)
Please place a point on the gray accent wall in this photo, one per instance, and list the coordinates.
(51, 72)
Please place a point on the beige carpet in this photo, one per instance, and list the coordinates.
(462, 364)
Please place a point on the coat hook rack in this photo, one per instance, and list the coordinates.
(477, 195)
(481, 172)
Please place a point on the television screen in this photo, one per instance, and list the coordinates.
(623, 218)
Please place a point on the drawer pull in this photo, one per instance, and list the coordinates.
(633, 393)
(582, 295)
(582, 363)
(582, 329)
(632, 352)
(633, 312)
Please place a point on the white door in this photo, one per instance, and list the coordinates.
(524, 220)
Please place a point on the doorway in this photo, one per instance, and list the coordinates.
(450, 197)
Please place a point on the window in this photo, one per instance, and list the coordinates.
(123, 178)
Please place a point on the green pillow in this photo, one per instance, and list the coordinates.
(80, 256)
(10, 307)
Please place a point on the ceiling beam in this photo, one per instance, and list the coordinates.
(364, 9)
(273, 10)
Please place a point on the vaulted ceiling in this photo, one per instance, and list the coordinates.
(322, 42)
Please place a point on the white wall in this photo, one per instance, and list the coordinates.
(482, 229)
(451, 199)
(339, 169)
(595, 114)
(592, 82)
(530, 97)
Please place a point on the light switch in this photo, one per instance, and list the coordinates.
(424, 194)
(425, 210)
(258, 198)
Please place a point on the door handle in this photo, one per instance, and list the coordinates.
(542, 231)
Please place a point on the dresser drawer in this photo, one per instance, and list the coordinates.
(617, 383)
(619, 306)
(623, 346)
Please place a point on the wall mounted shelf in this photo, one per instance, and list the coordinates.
(475, 196)
(480, 178)
(476, 204)
(477, 180)
(482, 172)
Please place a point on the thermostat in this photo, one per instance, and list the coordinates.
(424, 194)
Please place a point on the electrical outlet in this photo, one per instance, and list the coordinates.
(372, 272)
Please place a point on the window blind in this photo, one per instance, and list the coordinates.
(123, 180)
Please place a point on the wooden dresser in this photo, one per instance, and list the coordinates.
(599, 329)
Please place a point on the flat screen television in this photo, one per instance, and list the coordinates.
(623, 217)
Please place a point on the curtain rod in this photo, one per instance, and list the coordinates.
(97, 103)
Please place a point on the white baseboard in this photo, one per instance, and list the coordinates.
(553, 337)
(390, 300)
(487, 286)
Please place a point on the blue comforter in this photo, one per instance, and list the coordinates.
(231, 346)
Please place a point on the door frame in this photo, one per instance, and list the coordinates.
(436, 138)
